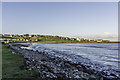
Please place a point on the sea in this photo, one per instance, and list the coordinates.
(105, 54)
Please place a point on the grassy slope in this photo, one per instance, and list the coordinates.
(0, 61)
(11, 64)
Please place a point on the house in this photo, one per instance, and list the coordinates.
(26, 35)
(26, 40)
(17, 39)
(5, 41)
(92, 40)
(14, 39)
(6, 35)
(36, 39)
(78, 39)
(82, 39)
(23, 39)
(8, 39)
(66, 38)
(30, 35)
(99, 40)
(16, 35)
(20, 35)
(72, 39)
(11, 35)
(0, 34)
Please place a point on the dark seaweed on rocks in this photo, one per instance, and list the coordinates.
(53, 64)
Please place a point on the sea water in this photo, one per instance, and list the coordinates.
(105, 54)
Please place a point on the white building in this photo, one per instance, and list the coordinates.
(36, 39)
(78, 39)
(26, 40)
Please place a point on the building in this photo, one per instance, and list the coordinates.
(36, 39)
(30, 35)
(82, 39)
(25, 35)
(16, 35)
(91, 40)
(66, 38)
(0, 34)
(99, 40)
(73, 39)
(6, 35)
(26, 40)
(78, 39)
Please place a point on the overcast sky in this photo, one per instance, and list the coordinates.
(72, 19)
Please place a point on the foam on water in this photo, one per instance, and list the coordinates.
(105, 54)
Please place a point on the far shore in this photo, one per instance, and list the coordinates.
(55, 42)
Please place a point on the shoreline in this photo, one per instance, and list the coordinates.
(52, 42)
(52, 66)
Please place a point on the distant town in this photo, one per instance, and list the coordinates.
(9, 38)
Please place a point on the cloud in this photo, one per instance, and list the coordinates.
(108, 35)
(105, 35)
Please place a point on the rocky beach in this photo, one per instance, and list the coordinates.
(54, 64)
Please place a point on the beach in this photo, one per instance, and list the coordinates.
(54, 64)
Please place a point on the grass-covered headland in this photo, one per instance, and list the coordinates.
(47, 39)
(12, 66)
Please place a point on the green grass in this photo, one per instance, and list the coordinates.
(12, 63)
(0, 61)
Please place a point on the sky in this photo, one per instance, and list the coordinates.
(73, 19)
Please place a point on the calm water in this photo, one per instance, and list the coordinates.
(102, 53)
